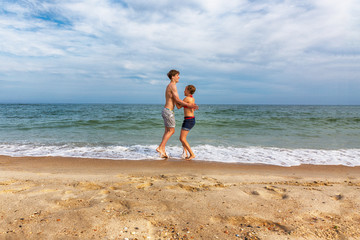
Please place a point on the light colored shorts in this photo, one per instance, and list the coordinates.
(169, 117)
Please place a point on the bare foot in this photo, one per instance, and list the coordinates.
(184, 154)
(162, 153)
(190, 157)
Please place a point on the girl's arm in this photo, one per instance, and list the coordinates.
(179, 101)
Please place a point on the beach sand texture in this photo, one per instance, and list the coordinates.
(68, 198)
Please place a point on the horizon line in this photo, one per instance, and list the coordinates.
(109, 103)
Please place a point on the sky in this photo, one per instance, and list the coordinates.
(233, 51)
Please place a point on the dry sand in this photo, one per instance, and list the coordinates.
(68, 198)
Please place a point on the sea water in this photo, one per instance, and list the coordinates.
(284, 135)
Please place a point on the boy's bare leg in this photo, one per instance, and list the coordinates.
(186, 145)
(162, 153)
(167, 134)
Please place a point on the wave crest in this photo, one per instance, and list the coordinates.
(245, 155)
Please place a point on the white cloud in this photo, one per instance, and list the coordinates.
(270, 41)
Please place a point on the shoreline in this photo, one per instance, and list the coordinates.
(43, 161)
(79, 198)
(242, 155)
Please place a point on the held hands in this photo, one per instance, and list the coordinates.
(194, 106)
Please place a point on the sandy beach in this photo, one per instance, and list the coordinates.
(71, 198)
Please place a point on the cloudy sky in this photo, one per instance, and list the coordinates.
(233, 51)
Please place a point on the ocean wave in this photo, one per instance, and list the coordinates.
(244, 155)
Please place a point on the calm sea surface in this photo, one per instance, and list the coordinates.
(278, 135)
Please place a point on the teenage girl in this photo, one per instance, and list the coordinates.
(189, 121)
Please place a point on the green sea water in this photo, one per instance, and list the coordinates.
(271, 134)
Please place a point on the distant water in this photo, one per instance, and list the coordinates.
(277, 135)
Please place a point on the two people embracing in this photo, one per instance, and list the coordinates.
(172, 100)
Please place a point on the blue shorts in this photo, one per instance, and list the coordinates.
(188, 124)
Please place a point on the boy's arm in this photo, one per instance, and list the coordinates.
(178, 105)
(186, 99)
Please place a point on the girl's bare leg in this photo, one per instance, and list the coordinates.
(185, 144)
(185, 153)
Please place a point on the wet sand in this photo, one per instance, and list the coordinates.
(72, 198)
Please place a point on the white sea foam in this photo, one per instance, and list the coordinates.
(249, 155)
